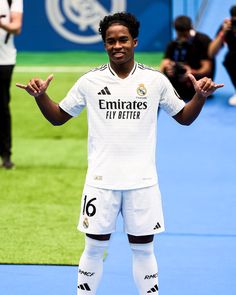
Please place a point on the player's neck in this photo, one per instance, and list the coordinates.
(122, 70)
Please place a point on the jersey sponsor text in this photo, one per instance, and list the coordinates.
(121, 109)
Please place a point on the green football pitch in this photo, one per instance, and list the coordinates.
(40, 198)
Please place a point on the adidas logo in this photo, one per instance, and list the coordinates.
(84, 287)
(153, 290)
(104, 91)
(157, 226)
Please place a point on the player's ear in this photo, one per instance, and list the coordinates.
(135, 42)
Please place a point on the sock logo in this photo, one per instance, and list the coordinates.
(84, 287)
(86, 273)
(153, 290)
(148, 277)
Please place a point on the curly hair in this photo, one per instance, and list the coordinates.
(126, 19)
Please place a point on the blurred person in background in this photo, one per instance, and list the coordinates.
(11, 12)
(122, 100)
(226, 35)
(187, 54)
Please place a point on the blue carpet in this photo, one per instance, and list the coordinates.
(37, 280)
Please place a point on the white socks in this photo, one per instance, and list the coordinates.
(145, 268)
(91, 266)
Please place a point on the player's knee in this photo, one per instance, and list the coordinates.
(95, 248)
(143, 250)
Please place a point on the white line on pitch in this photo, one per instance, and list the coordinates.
(53, 69)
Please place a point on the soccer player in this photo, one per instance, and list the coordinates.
(122, 100)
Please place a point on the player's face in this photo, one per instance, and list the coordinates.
(119, 44)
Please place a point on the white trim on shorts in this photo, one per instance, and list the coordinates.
(141, 210)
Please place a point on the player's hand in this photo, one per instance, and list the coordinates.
(36, 86)
(205, 86)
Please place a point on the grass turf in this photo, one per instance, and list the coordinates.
(80, 58)
(40, 198)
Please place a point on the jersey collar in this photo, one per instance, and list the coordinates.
(130, 74)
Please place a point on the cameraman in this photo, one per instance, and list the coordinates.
(187, 54)
(227, 35)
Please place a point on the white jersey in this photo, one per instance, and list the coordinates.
(122, 123)
(8, 50)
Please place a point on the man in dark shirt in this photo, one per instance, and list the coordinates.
(188, 53)
(226, 34)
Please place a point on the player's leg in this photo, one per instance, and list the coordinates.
(91, 264)
(145, 270)
(99, 211)
(142, 211)
(5, 115)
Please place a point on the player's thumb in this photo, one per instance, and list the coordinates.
(192, 78)
(49, 79)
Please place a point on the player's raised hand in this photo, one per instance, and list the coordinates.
(36, 86)
(205, 86)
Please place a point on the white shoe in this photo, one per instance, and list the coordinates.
(232, 100)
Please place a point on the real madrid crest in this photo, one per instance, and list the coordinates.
(141, 90)
(85, 223)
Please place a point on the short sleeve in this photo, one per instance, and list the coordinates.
(74, 102)
(17, 6)
(170, 101)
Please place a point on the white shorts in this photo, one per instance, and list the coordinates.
(141, 210)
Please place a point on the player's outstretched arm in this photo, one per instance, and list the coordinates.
(203, 87)
(51, 110)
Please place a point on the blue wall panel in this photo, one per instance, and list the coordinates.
(51, 25)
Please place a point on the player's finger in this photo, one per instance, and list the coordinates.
(34, 85)
(208, 84)
(212, 86)
(33, 88)
(22, 86)
(37, 83)
(219, 85)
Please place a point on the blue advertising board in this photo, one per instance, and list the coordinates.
(54, 25)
